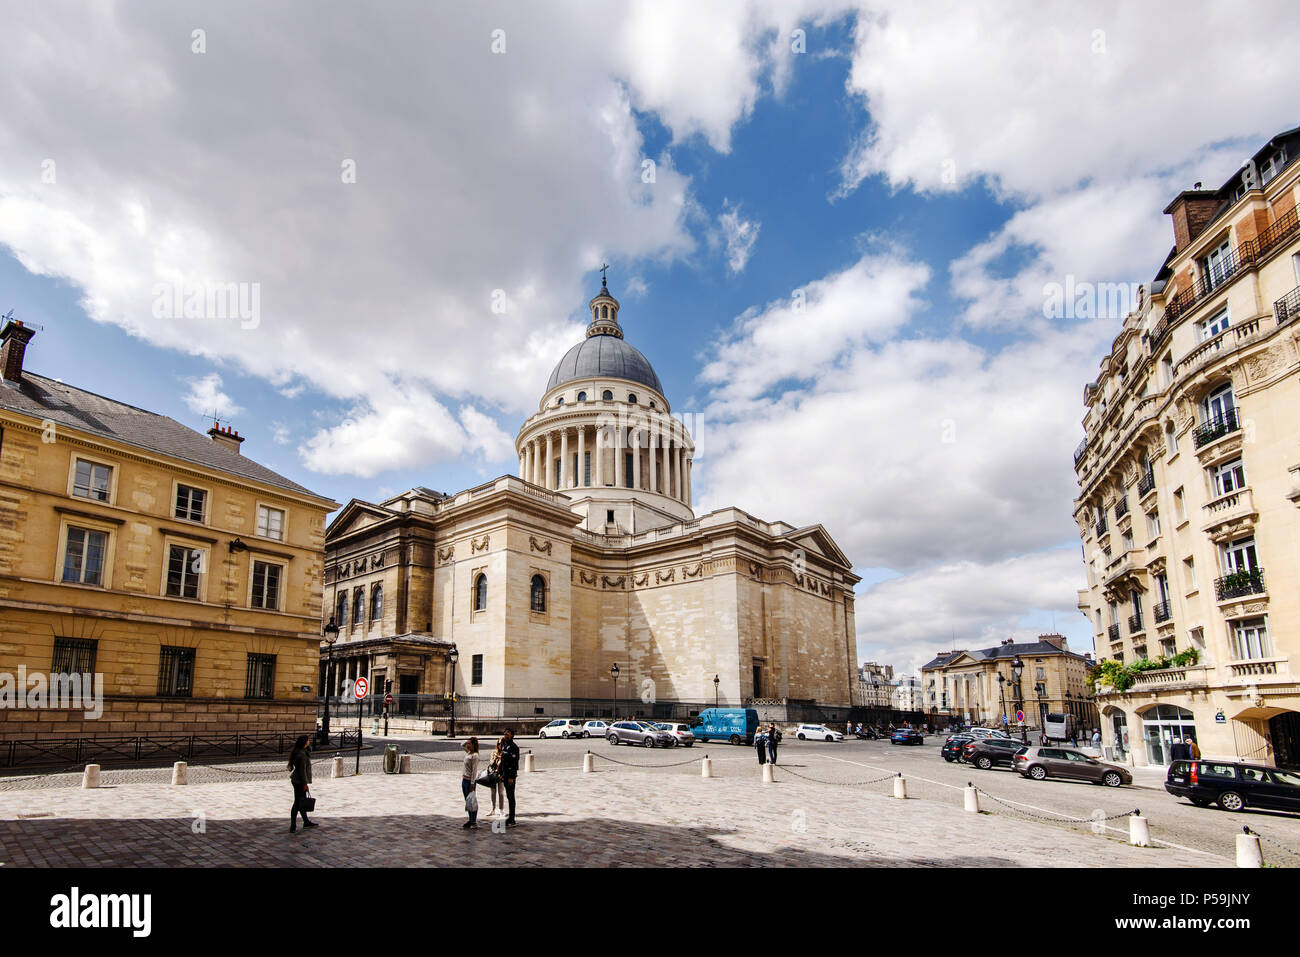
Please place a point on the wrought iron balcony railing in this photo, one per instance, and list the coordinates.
(1121, 507)
(1147, 482)
(1162, 611)
(1285, 309)
(1217, 427)
(1079, 452)
(1102, 527)
(1113, 632)
(1134, 624)
(1236, 584)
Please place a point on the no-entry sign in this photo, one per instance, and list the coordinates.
(361, 688)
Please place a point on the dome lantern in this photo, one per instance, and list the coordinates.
(604, 312)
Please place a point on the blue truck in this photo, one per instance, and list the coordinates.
(737, 725)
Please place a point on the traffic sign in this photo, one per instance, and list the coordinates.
(361, 688)
(388, 699)
(1020, 717)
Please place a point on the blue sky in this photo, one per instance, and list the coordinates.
(921, 184)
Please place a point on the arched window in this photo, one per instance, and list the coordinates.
(341, 616)
(607, 396)
(604, 312)
(582, 397)
(560, 401)
(538, 601)
(359, 607)
(631, 397)
(376, 602)
(480, 593)
(652, 403)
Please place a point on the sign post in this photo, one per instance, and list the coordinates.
(359, 690)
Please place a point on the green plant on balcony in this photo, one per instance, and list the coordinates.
(1121, 677)
(1188, 656)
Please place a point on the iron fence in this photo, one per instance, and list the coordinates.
(134, 749)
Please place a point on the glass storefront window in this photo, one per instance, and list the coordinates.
(1162, 727)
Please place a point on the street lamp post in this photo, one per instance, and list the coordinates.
(613, 673)
(1002, 695)
(331, 633)
(453, 656)
(716, 682)
(1017, 669)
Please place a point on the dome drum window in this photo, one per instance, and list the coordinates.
(537, 595)
(480, 593)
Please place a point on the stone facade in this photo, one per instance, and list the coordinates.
(1189, 503)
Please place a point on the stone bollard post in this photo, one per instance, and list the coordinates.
(336, 766)
(900, 787)
(768, 777)
(588, 763)
(180, 773)
(90, 776)
(529, 767)
(1139, 831)
(706, 767)
(1249, 851)
(404, 765)
(972, 798)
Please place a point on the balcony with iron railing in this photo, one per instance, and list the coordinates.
(1239, 584)
(1121, 507)
(1113, 632)
(1288, 307)
(1080, 451)
(1101, 526)
(1135, 624)
(1161, 612)
(1216, 427)
(1147, 482)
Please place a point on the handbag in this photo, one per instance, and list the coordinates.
(308, 804)
(488, 779)
(471, 802)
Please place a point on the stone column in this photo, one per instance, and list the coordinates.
(635, 443)
(669, 481)
(600, 457)
(550, 459)
(580, 479)
(654, 449)
(618, 456)
(566, 480)
(687, 473)
(522, 471)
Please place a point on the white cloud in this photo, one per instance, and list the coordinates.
(739, 235)
(206, 398)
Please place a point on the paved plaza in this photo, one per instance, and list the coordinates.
(828, 807)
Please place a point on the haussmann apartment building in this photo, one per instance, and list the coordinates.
(1189, 475)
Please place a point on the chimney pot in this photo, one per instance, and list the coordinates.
(226, 436)
(13, 346)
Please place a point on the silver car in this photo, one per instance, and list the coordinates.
(639, 732)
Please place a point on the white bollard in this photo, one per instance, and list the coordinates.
(180, 773)
(972, 799)
(404, 765)
(1249, 851)
(90, 776)
(706, 767)
(900, 787)
(529, 768)
(588, 763)
(768, 777)
(1139, 831)
(336, 767)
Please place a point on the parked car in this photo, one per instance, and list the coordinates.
(906, 736)
(986, 753)
(562, 728)
(986, 733)
(595, 729)
(681, 732)
(951, 749)
(817, 732)
(1234, 786)
(639, 732)
(1040, 763)
(737, 725)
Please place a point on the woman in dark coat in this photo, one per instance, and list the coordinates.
(760, 745)
(300, 778)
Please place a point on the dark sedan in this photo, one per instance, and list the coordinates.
(907, 737)
(951, 749)
(986, 753)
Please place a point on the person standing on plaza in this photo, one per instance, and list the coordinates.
(468, 775)
(1096, 738)
(300, 778)
(509, 770)
(760, 745)
(498, 789)
(773, 739)
(1178, 751)
(1193, 749)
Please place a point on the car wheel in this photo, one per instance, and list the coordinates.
(983, 763)
(735, 739)
(1038, 772)
(647, 742)
(1231, 801)
(1112, 779)
(564, 734)
(801, 737)
(612, 739)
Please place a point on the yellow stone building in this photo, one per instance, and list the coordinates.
(1189, 474)
(592, 557)
(185, 575)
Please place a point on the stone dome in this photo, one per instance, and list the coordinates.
(605, 357)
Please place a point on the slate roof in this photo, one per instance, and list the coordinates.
(1023, 649)
(605, 356)
(44, 398)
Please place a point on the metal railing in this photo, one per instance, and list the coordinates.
(1134, 624)
(1216, 427)
(1162, 611)
(1113, 632)
(1147, 482)
(1239, 583)
(1080, 451)
(1288, 307)
(71, 751)
(1121, 507)
(1101, 526)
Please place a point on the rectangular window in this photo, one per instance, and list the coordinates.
(627, 469)
(1167, 647)
(270, 522)
(261, 677)
(1239, 556)
(184, 566)
(1128, 540)
(266, 585)
(92, 480)
(586, 468)
(190, 502)
(1189, 573)
(1180, 505)
(476, 670)
(83, 556)
(1229, 477)
(1153, 525)
(609, 517)
(1218, 265)
(1250, 639)
(176, 673)
(74, 656)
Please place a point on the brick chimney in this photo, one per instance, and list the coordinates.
(1058, 641)
(1191, 210)
(13, 344)
(227, 436)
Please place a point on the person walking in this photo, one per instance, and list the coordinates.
(760, 745)
(1096, 738)
(509, 770)
(300, 778)
(1179, 751)
(773, 739)
(468, 775)
(1193, 749)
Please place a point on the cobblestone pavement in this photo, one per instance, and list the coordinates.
(619, 816)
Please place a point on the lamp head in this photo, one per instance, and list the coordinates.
(613, 669)
(331, 632)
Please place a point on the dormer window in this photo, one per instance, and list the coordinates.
(604, 312)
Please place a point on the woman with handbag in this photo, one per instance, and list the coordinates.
(467, 778)
(300, 778)
(492, 780)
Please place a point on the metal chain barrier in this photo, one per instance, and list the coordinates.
(1056, 818)
(1269, 840)
(632, 764)
(844, 784)
(19, 780)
